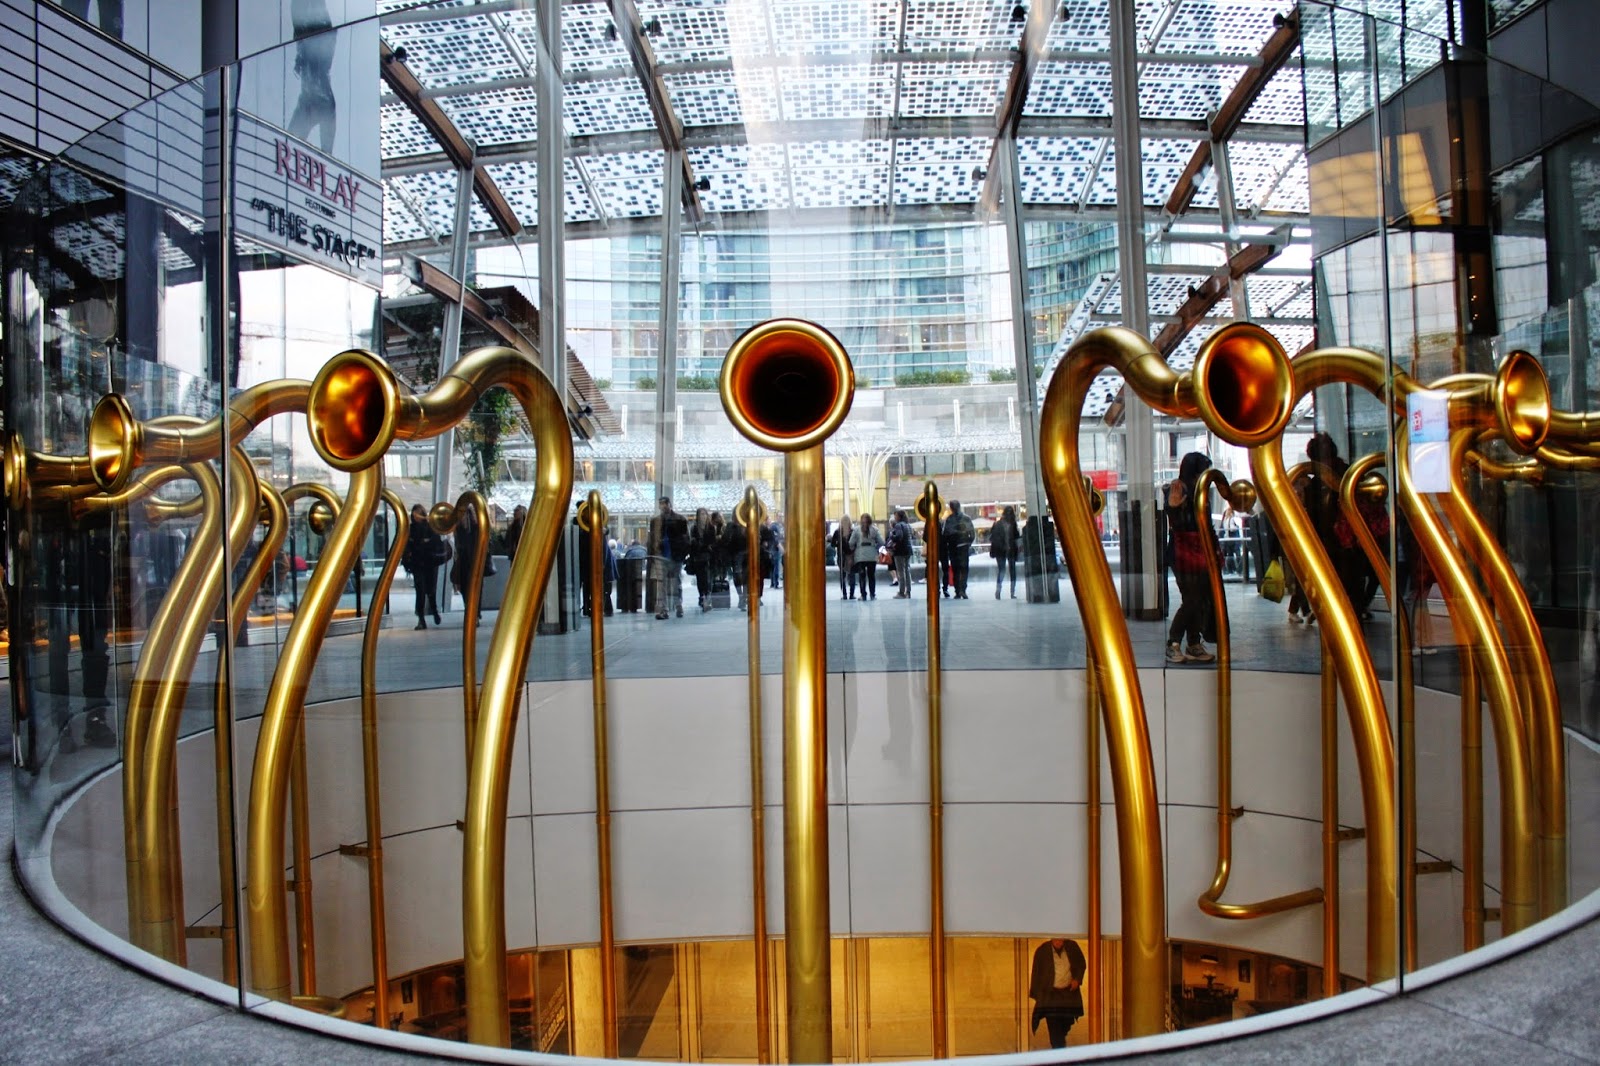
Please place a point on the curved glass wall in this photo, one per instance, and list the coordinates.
(262, 740)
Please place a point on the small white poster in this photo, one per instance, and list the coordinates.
(1428, 418)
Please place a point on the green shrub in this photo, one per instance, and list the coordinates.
(602, 383)
(1003, 374)
(646, 383)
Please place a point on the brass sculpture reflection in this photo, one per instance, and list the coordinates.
(787, 385)
(356, 410)
(1477, 401)
(592, 519)
(929, 506)
(750, 513)
(1241, 392)
(470, 558)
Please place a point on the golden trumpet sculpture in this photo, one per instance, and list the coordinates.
(787, 385)
(355, 411)
(750, 513)
(1242, 394)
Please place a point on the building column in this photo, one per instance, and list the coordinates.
(666, 454)
(1027, 407)
(450, 333)
(1228, 207)
(1143, 572)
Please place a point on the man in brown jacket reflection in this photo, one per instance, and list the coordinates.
(1055, 984)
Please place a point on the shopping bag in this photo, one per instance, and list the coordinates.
(1272, 582)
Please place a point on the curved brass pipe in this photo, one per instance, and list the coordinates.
(376, 906)
(1240, 393)
(1516, 402)
(1241, 496)
(1357, 480)
(280, 746)
(274, 515)
(1529, 471)
(787, 385)
(592, 519)
(445, 520)
(119, 443)
(157, 840)
(1469, 614)
(33, 478)
(324, 512)
(1093, 708)
(928, 508)
(750, 512)
(355, 411)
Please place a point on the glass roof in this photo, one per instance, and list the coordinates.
(800, 104)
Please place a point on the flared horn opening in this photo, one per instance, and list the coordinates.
(1243, 384)
(1522, 402)
(787, 384)
(352, 410)
(113, 437)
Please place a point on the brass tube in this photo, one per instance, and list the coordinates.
(305, 926)
(280, 727)
(1241, 496)
(1472, 913)
(928, 508)
(305, 923)
(1091, 714)
(1330, 826)
(1535, 677)
(787, 385)
(377, 908)
(1475, 630)
(1232, 389)
(751, 510)
(355, 411)
(119, 444)
(1482, 402)
(275, 516)
(1405, 687)
(445, 520)
(162, 930)
(592, 519)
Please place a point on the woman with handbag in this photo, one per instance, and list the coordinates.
(865, 544)
(1186, 552)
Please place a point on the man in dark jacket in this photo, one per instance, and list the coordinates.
(1055, 984)
(669, 548)
(957, 541)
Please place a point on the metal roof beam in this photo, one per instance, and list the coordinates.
(458, 149)
(1031, 49)
(803, 132)
(668, 127)
(1229, 118)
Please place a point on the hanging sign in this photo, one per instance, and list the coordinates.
(1428, 420)
(293, 198)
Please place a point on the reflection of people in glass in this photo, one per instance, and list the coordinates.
(1055, 984)
(110, 12)
(425, 550)
(313, 60)
(77, 572)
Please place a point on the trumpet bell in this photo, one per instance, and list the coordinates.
(1522, 402)
(1243, 384)
(787, 384)
(352, 410)
(112, 432)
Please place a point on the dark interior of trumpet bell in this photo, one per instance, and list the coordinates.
(551, 527)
